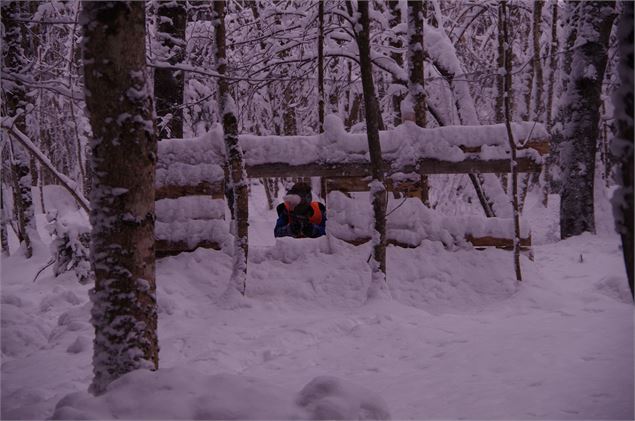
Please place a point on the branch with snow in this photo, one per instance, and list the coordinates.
(66, 182)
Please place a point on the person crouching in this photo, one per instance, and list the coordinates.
(299, 216)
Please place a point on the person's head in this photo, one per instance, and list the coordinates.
(300, 193)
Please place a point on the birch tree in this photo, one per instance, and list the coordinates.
(124, 151)
(510, 137)
(579, 114)
(234, 157)
(378, 287)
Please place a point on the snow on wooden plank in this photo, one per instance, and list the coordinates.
(406, 148)
(215, 190)
(189, 207)
(192, 231)
(165, 248)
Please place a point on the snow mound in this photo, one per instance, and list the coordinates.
(614, 287)
(183, 393)
(329, 398)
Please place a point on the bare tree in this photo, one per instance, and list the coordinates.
(168, 84)
(235, 162)
(396, 44)
(579, 114)
(16, 54)
(416, 83)
(320, 66)
(622, 144)
(378, 285)
(124, 155)
(510, 137)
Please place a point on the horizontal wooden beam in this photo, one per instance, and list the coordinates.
(424, 166)
(215, 190)
(504, 243)
(164, 248)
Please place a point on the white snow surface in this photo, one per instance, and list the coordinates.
(178, 158)
(459, 339)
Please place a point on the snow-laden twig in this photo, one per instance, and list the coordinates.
(66, 182)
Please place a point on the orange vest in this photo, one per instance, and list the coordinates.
(315, 219)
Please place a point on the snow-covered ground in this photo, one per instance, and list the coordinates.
(460, 339)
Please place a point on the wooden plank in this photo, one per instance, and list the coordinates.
(215, 190)
(164, 248)
(504, 243)
(540, 145)
(360, 184)
(424, 166)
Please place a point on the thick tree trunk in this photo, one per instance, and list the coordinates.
(15, 59)
(622, 144)
(579, 115)
(124, 155)
(169, 84)
(235, 161)
(553, 62)
(378, 285)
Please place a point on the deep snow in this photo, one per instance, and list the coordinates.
(460, 339)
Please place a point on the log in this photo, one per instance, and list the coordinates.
(215, 190)
(165, 248)
(424, 166)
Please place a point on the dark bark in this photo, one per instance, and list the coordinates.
(124, 312)
(622, 144)
(553, 62)
(378, 189)
(580, 115)
(320, 67)
(169, 84)
(396, 43)
(4, 242)
(416, 84)
(16, 55)
(537, 63)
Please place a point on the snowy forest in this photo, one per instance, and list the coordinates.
(337, 209)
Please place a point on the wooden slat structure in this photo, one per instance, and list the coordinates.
(342, 176)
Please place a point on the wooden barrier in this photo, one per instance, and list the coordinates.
(343, 176)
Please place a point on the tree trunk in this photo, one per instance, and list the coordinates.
(169, 84)
(16, 53)
(416, 81)
(320, 65)
(579, 115)
(235, 161)
(622, 144)
(553, 62)
(378, 287)
(124, 312)
(4, 242)
(537, 63)
(510, 137)
(396, 43)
